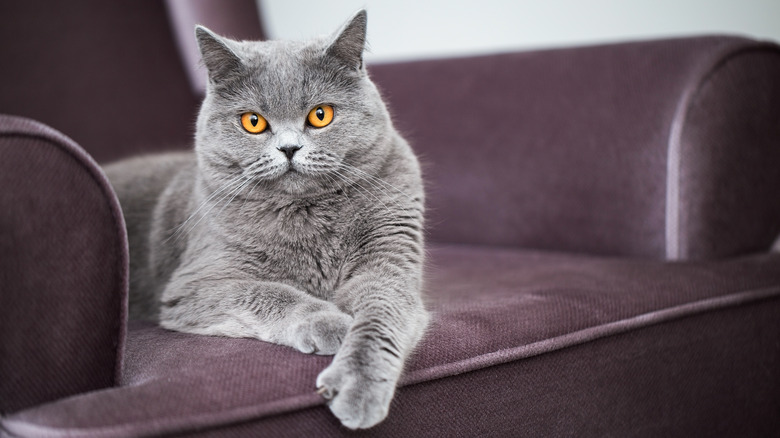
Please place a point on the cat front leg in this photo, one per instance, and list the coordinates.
(389, 321)
(269, 311)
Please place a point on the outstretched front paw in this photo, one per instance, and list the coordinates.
(357, 396)
(321, 332)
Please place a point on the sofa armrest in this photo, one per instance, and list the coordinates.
(724, 157)
(63, 269)
(665, 149)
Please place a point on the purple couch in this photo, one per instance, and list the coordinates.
(599, 223)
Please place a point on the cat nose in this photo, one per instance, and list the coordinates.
(289, 150)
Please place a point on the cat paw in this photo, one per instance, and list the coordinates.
(356, 398)
(321, 332)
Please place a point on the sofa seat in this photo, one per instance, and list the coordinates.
(521, 342)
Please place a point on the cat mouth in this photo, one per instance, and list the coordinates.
(291, 168)
(284, 172)
(293, 173)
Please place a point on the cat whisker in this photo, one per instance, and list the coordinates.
(228, 186)
(335, 183)
(374, 184)
(375, 179)
(235, 193)
(413, 208)
(249, 194)
(243, 182)
(259, 163)
(251, 174)
(248, 174)
(365, 190)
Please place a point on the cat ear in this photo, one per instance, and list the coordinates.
(348, 46)
(220, 60)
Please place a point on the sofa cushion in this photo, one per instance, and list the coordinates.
(492, 309)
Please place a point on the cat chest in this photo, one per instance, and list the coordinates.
(305, 254)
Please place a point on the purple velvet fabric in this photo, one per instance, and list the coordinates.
(63, 269)
(520, 342)
(729, 157)
(106, 73)
(611, 158)
(660, 149)
(113, 76)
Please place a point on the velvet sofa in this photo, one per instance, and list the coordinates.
(599, 224)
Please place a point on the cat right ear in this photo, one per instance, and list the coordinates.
(348, 46)
(220, 60)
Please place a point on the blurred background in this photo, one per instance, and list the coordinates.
(122, 77)
(413, 29)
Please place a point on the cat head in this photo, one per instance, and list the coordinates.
(290, 117)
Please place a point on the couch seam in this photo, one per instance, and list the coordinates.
(593, 333)
(195, 422)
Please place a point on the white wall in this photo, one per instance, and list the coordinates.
(410, 29)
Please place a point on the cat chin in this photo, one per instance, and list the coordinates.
(297, 184)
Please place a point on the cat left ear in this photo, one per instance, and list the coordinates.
(220, 60)
(348, 46)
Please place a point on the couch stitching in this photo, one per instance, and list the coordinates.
(192, 422)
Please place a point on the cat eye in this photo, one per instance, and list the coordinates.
(320, 116)
(253, 123)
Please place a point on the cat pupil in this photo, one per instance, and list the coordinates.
(253, 119)
(320, 113)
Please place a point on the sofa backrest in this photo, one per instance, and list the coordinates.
(110, 74)
(665, 149)
(662, 149)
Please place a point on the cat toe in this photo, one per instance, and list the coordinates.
(358, 401)
(321, 332)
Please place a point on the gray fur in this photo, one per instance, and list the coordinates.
(324, 255)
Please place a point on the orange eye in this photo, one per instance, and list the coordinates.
(320, 116)
(253, 123)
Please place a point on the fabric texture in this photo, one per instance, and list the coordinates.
(729, 158)
(63, 269)
(599, 219)
(108, 74)
(512, 331)
(580, 149)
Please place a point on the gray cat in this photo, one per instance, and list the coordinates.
(297, 220)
